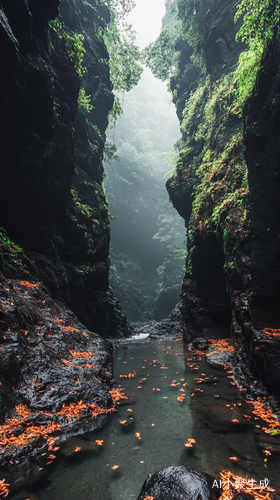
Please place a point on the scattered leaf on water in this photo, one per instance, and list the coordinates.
(138, 435)
(99, 442)
(77, 448)
(115, 467)
(190, 442)
(233, 458)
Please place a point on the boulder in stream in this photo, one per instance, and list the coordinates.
(179, 483)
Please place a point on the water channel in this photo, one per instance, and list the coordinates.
(152, 409)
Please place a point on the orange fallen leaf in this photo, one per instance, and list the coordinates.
(122, 422)
(267, 452)
(69, 329)
(26, 284)
(153, 425)
(77, 448)
(235, 420)
(99, 442)
(233, 458)
(180, 398)
(129, 409)
(85, 334)
(190, 442)
(4, 490)
(131, 375)
(115, 467)
(58, 320)
(216, 396)
(149, 498)
(138, 435)
(123, 376)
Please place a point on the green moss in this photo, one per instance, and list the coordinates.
(73, 43)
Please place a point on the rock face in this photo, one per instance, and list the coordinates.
(52, 200)
(54, 228)
(229, 197)
(179, 483)
(262, 150)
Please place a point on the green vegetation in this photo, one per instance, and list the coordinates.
(73, 43)
(124, 55)
(259, 21)
(84, 101)
(125, 70)
(160, 56)
(13, 260)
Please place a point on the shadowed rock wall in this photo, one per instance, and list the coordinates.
(52, 202)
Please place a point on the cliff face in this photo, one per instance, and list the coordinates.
(228, 198)
(262, 150)
(54, 236)
(52, 200)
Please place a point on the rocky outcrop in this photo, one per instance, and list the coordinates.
(177, 483)
(56, 380)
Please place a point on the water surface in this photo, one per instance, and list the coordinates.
(165, 424)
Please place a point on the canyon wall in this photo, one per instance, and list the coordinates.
(55, 96)
(226, 188)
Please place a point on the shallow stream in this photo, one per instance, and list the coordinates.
(165, 424)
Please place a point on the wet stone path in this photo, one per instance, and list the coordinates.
(174, 397)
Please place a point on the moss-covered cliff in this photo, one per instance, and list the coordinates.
(226, 193)
(52, 138)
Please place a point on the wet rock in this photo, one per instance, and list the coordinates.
(219, 360)
(78, 447)
(179, 483)
(266, 442)
(243, 496)
(201, 344)
(26, 475)
(219, 418)
(171, 327)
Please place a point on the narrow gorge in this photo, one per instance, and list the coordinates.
(94, 325)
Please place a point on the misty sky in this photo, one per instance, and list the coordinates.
(146, 19)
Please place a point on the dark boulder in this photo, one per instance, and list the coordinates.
(179, 483)
(201, 344)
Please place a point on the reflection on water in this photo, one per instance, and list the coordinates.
(165, 424)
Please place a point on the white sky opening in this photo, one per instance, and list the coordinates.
(146, 19)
